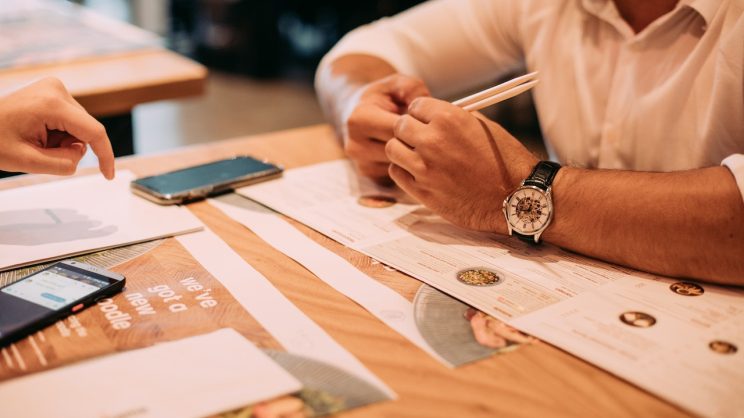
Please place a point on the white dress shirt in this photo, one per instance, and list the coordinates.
(668, 98)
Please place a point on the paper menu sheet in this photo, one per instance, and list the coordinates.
(73, 216)
(687, 349)
(191, 377)
(571, 301)
(386, 304)
(410, 238)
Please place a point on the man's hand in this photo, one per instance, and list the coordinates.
(369, 119)
(44, 130)
(463, 167)
(363, 96)
(458, 165)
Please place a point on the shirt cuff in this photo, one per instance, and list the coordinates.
(735, 163)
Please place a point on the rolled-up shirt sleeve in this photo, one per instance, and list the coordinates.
(735, 163)
(452, 45)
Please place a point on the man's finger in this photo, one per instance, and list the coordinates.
(368, 121)
(85, 128)
(405, 89)
(404, 180)
(406, 158)
(410, 130)
(425, 108)
(365, 149)
(375, 171)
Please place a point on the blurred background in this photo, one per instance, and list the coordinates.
(261, 56)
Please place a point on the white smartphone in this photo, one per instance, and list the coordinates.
(204, 180)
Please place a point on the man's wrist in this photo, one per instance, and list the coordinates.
(565, 197)
(528, 209)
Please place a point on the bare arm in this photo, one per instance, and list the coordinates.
(337, 83)
(684, 224)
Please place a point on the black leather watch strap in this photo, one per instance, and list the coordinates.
(543, 174)
(529, 239)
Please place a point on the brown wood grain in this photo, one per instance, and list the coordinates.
(114, 84)
(91, 333)
(536, 380)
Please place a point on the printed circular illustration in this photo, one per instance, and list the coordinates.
(687, 289)
(442, 321)
(637, 319)
(479, 276)
(722, 347)
(377, 201)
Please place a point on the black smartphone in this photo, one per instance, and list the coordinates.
(51, 294)
(204, 180)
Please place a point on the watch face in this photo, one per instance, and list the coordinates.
(528, 210)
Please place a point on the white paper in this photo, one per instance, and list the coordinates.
(78, 215)
(192, 377)
(672, 357)
(381, 301)
(296, 332)
(410, 238)
(573, 302)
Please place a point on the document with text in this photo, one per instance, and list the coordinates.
(615, 317)
(442, 326)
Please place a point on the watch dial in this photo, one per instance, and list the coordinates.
(528, 210)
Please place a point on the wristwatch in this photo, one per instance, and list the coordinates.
(529, 209)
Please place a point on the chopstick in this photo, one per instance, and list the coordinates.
(498, 93)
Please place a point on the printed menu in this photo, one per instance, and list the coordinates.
(677, 338)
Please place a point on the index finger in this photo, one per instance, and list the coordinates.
(78, 123)
(407, 88)
(372, 122)
(425, 108)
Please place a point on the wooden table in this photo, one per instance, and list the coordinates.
(114, 84)
(110, 86)
(534, 381)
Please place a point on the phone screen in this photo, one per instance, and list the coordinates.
(46, 295)
(205, 175)
(55, 287)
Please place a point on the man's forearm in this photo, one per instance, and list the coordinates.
(336, 82)
(359, 69)
(684, 224)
